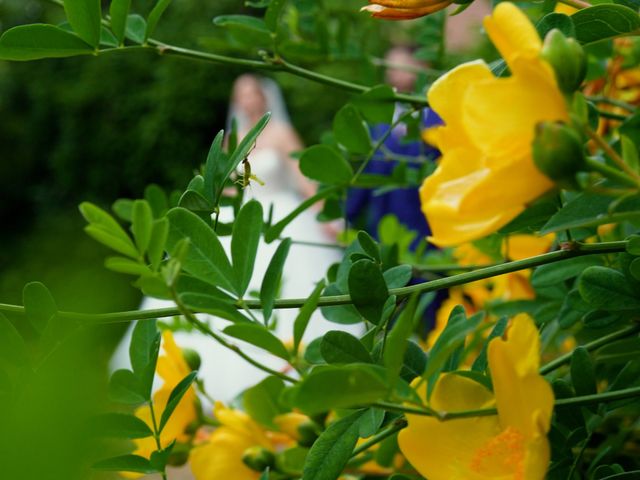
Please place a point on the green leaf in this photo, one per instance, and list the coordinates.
(451, 339)
(126, 463)
(213, 168)
(120, 425)
(302, 320)
(13, 350)
(275, 230)
(118, 11)
(397, 276)
(34, 42)
(368, 289)
(84, 16)
(259, 336)
(329, 387)
(247, 229)
(126, 265)
(369, 245)
(106, 230)
(136, 28)
(220, 307)
(39, 305)
(143, 352)
(342, 347)
(159, 235)
(272, 278)
(142, 224)
(174, 398)
(630, 153)
(247, 30)
(552, 274)
(272, 14)
(157, 200)
(370, 422)
(350, 130)
(604, 21)
(154, 17)
(590, 210)
(556, 20)
(572, 310)
(480, 363)
(583, 376)
(397, 340)
(261, 401)
(607, 289)
(124, 387)
(123, 208)
(376, 104)
(325, 165)
(332, 450)
(343, 314)
(206, 259)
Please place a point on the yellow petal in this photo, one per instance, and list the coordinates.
(515, 184)
(521, 246)
(444, 450)
(241, 423)
(512, 32)
(524, 398)
(501, 114)
(446, 96)
(221, 457)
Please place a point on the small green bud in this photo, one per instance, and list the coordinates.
(179, 455)
(558, 152)
(258, 458)
(192, 358)
(567, 58)
(308, 432)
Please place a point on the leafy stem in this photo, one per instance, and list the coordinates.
(566, 358)
(395, 427)
(604, 397)
(380, 142)
(156, 434)
(204, 328)
(613, 155)
(569, 250)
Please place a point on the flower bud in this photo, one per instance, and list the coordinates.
(258, 458)
(179, 455)
(308, 433)
(192, 358)
(567, 58)
(558, 152)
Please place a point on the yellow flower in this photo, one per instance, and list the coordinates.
(511, 445)
(486, 175)
(221, 456)
(404, 9)
(521, 246)
(172, 368)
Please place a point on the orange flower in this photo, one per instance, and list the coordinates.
(404, 9)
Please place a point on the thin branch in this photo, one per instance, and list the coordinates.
(566, 358)
(570, 250)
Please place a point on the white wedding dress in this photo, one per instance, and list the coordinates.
(225, 374)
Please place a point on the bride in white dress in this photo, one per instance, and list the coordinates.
(225, 374)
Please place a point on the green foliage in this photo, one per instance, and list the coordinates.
(584, 289)
(332, 450)
(33, 42)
